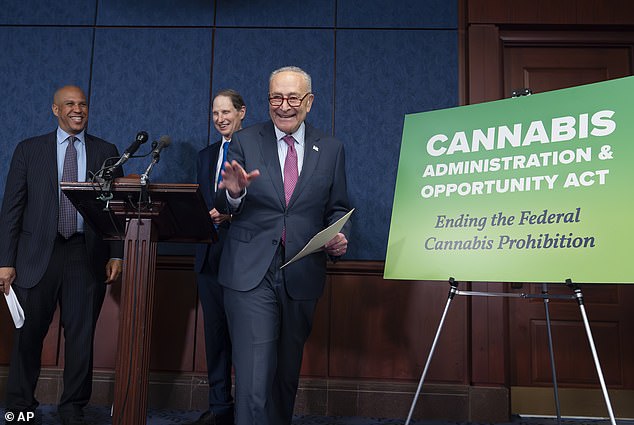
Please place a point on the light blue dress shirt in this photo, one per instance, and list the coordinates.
(80, 146)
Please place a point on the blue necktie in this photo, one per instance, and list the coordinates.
(225, 147)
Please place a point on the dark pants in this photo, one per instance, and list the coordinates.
(68, 281)
(268, 330)
(217, 342)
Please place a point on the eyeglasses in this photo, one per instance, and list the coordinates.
(294, 101)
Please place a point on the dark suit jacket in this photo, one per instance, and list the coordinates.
(206, 166)
(319, 199)
(28, 221)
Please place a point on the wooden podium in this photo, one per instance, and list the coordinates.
(142, 216)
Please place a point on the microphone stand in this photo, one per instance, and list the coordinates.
(163, 142)
(156, 157)
(144, 180)
(104, 179)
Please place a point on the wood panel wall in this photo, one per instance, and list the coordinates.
(544, 45)
(365, 327)
(548, 12)
(369, 336)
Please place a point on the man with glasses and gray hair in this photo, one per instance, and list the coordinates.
(285, 181)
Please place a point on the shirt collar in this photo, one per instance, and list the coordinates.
(62, 136)
(298, 135)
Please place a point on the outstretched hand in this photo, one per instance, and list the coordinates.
(235, 179)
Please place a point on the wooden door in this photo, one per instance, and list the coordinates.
(544, 61)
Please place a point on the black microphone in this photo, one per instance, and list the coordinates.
(157, 147)
(162, 143)
(141, 138)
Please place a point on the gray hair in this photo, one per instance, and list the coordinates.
(297, 69)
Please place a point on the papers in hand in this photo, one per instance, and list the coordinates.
(320, 239)
(17, 314)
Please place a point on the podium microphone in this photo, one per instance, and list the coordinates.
(141, 138)
(162, 143)
(104, 177)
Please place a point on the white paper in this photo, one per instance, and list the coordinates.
(15, 308)
(318, 241)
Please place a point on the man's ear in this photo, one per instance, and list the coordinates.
(309, 105)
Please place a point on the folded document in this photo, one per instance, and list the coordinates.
(15, 308)
(319, 240)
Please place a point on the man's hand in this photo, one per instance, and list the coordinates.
(113, 270)
(218, 218)
(235, 179)
(337, 246)
(7, 276)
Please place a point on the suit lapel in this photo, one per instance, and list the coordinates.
(213, 172)
(50, 156)
(91, 156)
(268, 147)
(311, 157)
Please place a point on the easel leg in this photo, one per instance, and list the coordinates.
(579, 296)
(453, 290)
(552, 353)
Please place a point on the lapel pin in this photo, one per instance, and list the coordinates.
(315, 148)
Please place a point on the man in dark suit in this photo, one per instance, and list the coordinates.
(49, 256)
(228, 111)
(296, 188)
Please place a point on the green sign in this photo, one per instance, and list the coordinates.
(531, 189)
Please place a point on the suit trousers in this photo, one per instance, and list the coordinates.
(268, 331)
(69, 281)
(217, 342)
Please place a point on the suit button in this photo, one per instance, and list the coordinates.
(274, 241)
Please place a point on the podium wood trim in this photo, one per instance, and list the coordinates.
(141, 216)
(135, 329)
